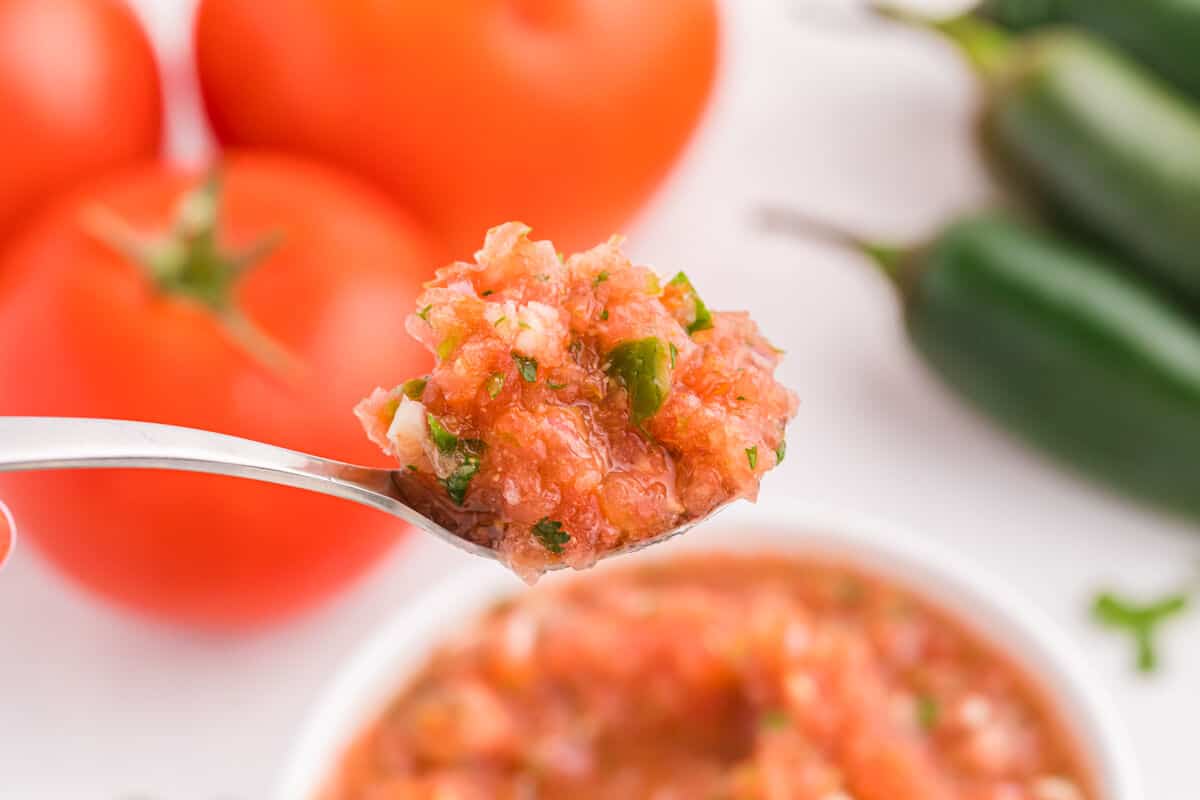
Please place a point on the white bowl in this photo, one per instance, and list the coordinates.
(372, 675)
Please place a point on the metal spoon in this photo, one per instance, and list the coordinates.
(37, 443)
(8, 533)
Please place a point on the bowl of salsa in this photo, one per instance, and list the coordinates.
(790, 653)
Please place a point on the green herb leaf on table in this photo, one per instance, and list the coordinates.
(1141, 621)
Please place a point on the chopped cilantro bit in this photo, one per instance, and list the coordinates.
(494, 384)
(524, 326)
(775, 719)
(424, 312)
(752, 456)
(550, 533)
(555, 386)
(469, 452)
(780, 452)
(526, 366)
(699, 319)
(601, 278)
(496, 324)
(741, 398)
(1141, 621)
(488, 293)
(459, 481)
(928, 711)
(604, 314)
(414, 389)
(674, 353)
(445, 441)
(642, 366)
(412, 467)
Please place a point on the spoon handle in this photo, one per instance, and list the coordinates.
(37, 443)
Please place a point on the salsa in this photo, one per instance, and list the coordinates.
(716, 677)
(577, 405)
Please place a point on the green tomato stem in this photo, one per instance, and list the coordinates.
(188, 262)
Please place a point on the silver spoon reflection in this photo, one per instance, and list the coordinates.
(42, 443)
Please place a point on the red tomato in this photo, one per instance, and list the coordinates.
(85, 331)
(80, 93)
(562, 113)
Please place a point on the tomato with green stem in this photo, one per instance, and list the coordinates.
(262, 304)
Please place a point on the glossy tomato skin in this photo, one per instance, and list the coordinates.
(80, 91)
(562, 113)
(83, 332)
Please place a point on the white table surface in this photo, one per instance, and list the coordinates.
(863, 125)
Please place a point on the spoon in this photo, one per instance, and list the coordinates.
(8, 533)
(37, 443)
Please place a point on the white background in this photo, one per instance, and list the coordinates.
(862, 124)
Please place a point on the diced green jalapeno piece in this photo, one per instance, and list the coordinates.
(643, 367)
(696, 316)
(445, 441)
(447, 346)
(414, 389)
